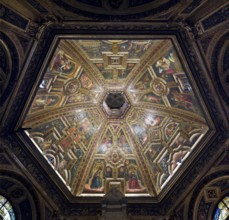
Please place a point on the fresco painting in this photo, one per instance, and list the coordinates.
(45, 83)
(167, 65)
(62, 63)
(82, 131)
(107, 74)
(170, 129)
(123, 142)
(152, 98)
(126, 53)
(124, 73)
(161, 127)
(182, 100)
(141, 133)
(163, 163)
(77, 98)
(108, 171)
(48, 126)
(133, 178)
(106, 143)
(145, 127)
(144, 82)
(136, 48)
(42, 101)
(153, 151)
(69, 163)
(86, 82)
(177, 160)
(95, 182)
(128, 174)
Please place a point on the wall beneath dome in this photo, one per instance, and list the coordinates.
(24, 24)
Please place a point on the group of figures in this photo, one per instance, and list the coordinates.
(65, 83)
(165, 85)
(102, 173)
(108, 141)
(113, 166)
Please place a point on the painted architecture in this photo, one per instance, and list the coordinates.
(114, 110)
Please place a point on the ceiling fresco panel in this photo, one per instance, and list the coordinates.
(117, 112)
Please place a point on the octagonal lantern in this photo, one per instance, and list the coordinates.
(115, 104)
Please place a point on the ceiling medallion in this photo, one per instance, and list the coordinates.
(72, 86)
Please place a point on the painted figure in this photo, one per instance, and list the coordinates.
(62, 64)
(141, 133)
(96, 182)
(123, 143)
(164, 66)
(152, 121)
(144, 82)
(133, 181)
(151, 98)
(107, 142)
(183, 100)
(42, 101)
(177, 159)
(86, 82)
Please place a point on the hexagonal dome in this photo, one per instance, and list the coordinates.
(117, 112)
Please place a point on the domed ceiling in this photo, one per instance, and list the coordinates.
(117, 113)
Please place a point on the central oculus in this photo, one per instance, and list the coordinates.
(115, 104)
(115, 100)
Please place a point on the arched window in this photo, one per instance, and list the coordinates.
(222, 210)
(6, 209)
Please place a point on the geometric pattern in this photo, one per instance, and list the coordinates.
(137, 152)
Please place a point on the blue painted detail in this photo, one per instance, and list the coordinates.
(97, 3)
(13, 18)
(214, 66)
(15, 70)
(216, 18)
(192, 6)
(37, 6)
(27, 210)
